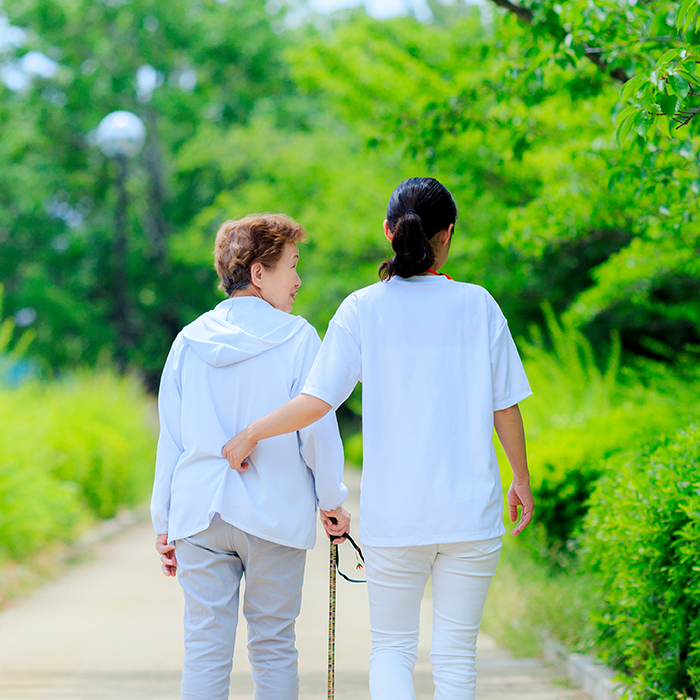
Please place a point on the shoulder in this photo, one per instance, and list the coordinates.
(369, 291)
(349, 306)
(173, 364)
(361, 298)
(304, 339)
(364, 294)
(481, 303)
(177, 348)
(307, 332)
(476, 293)
(304, 325)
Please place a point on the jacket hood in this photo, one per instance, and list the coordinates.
(240, 328)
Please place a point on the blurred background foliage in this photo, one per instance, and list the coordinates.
(568, 136)
(246, 114)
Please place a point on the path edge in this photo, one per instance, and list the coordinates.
(600, 681)
(20, 580)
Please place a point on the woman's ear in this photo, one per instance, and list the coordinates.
(446, 234)
(256, 274)
(387, 232)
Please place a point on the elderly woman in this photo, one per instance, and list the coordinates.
(229, 367)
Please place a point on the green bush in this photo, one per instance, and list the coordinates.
(70, 451)
(643, 545)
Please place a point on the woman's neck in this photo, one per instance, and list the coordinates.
(249, 291)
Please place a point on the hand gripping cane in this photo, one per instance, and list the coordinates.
(331, 605)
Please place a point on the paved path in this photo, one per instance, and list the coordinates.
(112, 628)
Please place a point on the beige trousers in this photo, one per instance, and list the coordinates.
(211, 565)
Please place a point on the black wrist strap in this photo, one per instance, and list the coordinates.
(359, 555)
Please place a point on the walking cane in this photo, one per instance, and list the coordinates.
(331, 604)
(331, 621)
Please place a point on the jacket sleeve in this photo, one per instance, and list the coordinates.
(319, 443)
(170, 440)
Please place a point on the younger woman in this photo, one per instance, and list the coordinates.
(438, 369)
(225, 369)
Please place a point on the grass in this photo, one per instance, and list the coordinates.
(527, 599)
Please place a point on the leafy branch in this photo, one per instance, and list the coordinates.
(592, 53)
(663, 94)
(660, 96)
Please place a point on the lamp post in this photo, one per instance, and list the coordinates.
(120, 136)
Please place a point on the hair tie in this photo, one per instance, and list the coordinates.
(411, 211)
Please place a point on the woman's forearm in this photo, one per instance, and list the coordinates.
(294, 415)
(511, 433)
(288, 418)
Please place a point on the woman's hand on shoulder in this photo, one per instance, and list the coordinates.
(237, 450)
(336, 522)
(520, 494)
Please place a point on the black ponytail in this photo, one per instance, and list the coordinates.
(413, 253)
(418, 209)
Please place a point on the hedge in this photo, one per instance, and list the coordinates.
(642, 543)
(71, 452)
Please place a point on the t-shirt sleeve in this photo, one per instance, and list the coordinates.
(508, 378)
(338, 365)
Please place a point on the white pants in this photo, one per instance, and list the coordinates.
(396, 578)
(210, 567)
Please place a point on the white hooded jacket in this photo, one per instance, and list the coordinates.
(229, 367)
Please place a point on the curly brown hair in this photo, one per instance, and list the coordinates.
(254, 238)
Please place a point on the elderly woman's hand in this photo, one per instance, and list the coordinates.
(237, 450)
(520, 494)
(336, 529)
(167, 555)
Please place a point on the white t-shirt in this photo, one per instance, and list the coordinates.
(436, 359)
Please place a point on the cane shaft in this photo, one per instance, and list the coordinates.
(331, 622)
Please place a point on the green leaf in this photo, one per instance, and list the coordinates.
(631, 87)
(623, 131)
(665, 126)
(679, 85)
(651, 130)
(682, 18)
(694, 79)
(647, 96)
(631, 109)
(668, 104)
(667, 57)
(690, 66)
(642, 122)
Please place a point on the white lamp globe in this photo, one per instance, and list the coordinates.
(120, 133)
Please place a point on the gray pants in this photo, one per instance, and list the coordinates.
(210, 567)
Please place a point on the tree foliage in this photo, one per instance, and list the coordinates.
(184, 68)
(517, 110)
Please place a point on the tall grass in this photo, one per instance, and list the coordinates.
(580, 413)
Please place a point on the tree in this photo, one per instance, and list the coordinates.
(522, 107)
(182, 67)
